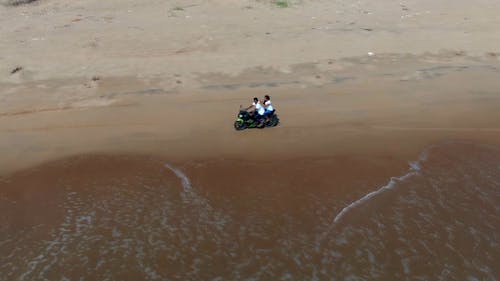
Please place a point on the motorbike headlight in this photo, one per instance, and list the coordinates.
(240, 115)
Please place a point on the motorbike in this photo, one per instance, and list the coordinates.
(245, 121)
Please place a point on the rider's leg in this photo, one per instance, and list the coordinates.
(267, 114)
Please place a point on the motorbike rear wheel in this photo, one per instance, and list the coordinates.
(274, 121)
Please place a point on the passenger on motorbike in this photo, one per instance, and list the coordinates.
(269, 110)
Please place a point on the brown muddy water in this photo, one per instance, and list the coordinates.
(139, 218)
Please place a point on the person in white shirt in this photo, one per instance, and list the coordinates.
(268, 105)
(256, 107)
(260, 110)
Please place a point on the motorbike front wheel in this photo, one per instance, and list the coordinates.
(240, 125)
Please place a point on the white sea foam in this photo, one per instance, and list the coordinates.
(415, 167)
(186, 183)
(206, 215)
(49, 256)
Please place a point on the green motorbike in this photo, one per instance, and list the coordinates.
(245, 121)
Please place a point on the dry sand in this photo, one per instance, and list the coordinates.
(347, 77)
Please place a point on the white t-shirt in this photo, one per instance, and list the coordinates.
(259, 108)
(269, 105)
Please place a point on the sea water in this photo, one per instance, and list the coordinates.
(440, 220)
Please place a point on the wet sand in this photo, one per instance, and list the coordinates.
(120, 161)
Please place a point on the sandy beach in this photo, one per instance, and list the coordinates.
(169, 77)
(93, 92)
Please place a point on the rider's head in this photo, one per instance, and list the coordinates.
(256, 100)
(267, 97)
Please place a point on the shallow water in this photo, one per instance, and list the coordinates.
(124, 218)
